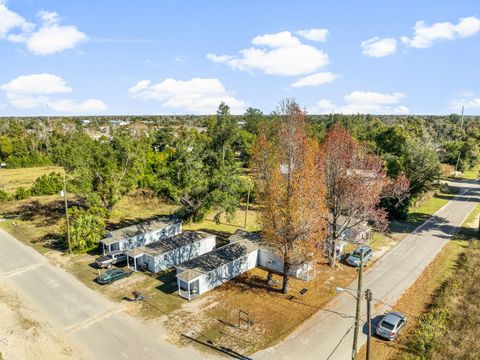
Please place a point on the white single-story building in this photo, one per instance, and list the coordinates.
(244, 252)
(210, 270)
(141, 234)
(268, 260)
(356, 231)
(165, 253)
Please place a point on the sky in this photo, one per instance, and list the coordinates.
(184, 57)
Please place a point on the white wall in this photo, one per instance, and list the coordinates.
(227, 272)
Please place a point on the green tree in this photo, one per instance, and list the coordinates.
(50, 184)
(86, 227)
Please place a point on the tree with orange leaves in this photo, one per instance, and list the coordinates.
(289, 178)
(356, 182)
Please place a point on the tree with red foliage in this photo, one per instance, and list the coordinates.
(355, 182)
(289, 178)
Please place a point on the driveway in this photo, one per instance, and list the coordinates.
(91, 324)
(329, 333)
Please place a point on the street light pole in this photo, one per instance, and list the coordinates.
(368, 297)
(66, 212)
(357, 313)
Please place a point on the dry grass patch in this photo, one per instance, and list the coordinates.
(36, 221)
(274, 315)
(11, 179)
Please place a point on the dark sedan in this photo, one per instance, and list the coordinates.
(112, 275)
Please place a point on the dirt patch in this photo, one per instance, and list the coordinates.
(23, 336)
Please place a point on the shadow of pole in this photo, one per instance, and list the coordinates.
(221, 349)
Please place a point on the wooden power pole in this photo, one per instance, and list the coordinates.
(66, 212)
(246, 207)
(459, 151)
(357, 312)
(368, 297)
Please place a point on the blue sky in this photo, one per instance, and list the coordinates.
(177, 57)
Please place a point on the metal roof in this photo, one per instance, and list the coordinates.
(175, 242)
(142, 228)
(215, 259)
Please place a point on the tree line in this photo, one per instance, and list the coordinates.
(360, 167)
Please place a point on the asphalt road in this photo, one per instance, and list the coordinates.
(329, 333)
(95, 326)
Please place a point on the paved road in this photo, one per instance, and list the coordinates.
(91, 323)
(395, 272)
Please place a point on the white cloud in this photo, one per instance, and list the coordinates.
(278, 40)
(377, 47)
(276, 54)
(315, 79)
(71, 106)
(39, 90)
(201, 96)
(424, 36)
(10, 20)
(364, 102)
(37, 84)
(23, 101)
(470, 102)
(318, 35)
(50, 38)
(48, 17)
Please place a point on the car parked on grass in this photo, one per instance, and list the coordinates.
(112, 275)
(115, 257)
(354, 258)
(391, 325)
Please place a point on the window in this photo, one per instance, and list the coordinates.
(387, 325)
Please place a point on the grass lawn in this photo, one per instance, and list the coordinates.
(471, 174)
(11, 179)
(429, 206)
(417, 299)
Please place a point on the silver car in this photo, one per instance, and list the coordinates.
(391, 325)
(354, 258)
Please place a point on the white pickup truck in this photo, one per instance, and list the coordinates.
(115, 257)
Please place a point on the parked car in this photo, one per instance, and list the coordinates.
(112, 275)
(391, 325)
(115, 257)
(354, 258)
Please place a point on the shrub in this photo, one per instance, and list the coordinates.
(3, 196)
(22, 193)
(50, 184)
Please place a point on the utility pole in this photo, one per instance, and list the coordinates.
(368, 297)
(459, 151)
(357, 313)
(246, 208)
(66, 212)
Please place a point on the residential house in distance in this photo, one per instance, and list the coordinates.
(245, 251)
(141, 234)
(167, 252)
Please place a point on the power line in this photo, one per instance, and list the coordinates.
(338, 344)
